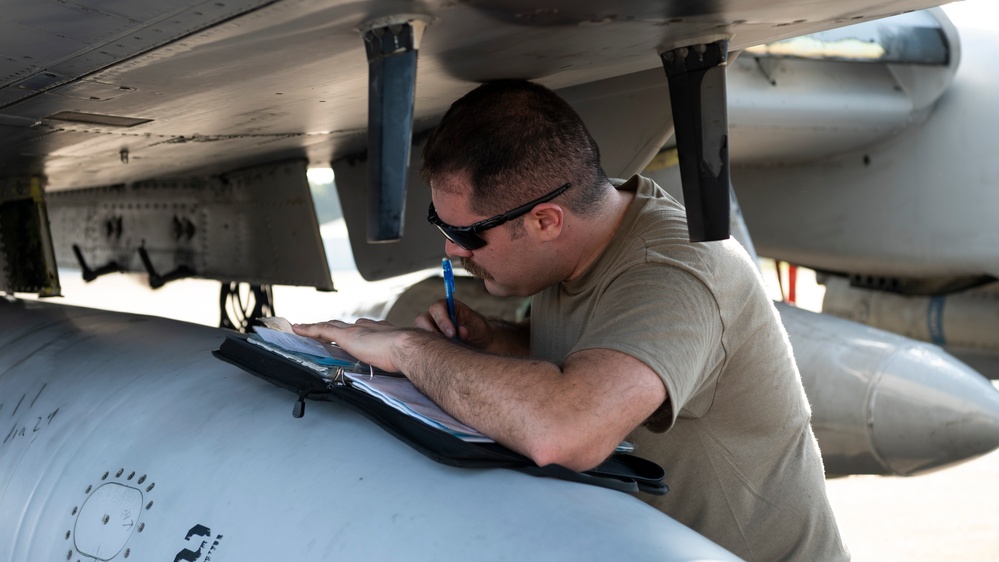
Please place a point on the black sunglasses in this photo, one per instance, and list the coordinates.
(468, 236)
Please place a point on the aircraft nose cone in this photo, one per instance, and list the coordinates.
(929, 410)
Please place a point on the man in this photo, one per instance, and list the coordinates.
(635, 332)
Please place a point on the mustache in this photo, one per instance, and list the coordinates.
(474, 269)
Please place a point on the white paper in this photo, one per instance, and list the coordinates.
(400, 393)
(292, 341)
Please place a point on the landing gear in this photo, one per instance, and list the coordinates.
(241, 304)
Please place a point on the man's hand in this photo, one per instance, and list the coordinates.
(368, 340)
(472, 329)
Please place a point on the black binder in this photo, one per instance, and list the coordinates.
(623, 472)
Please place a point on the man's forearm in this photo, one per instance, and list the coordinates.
(494, 393)
(573, 414)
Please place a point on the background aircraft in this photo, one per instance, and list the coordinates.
(867, 160)
(172, 139)
(883, 178)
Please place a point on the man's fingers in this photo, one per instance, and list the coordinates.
(427, 323)
(319, 329)
(435, 319)
(442, 318)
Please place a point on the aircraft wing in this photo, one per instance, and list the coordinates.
(188, 86)
(153, 106)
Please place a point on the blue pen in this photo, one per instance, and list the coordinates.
(449, 293)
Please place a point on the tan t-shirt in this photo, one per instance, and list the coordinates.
(734, 436)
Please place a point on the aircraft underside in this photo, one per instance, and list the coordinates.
(172, 139)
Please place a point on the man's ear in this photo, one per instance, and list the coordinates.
(546, 220)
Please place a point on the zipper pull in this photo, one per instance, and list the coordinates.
(299, 409)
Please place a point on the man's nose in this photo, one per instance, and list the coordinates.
(455, 251)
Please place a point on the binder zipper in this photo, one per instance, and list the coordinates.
(337, 379)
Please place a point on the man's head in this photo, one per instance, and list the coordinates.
(515, 141)
(508, 159)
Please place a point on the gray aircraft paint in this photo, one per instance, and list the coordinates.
(124, 438)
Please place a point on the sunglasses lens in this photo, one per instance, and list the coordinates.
(466, 240)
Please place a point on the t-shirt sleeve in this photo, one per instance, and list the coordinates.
(669, 320)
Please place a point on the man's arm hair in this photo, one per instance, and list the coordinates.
(573, 414)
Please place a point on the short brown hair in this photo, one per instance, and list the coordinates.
(516, 140)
